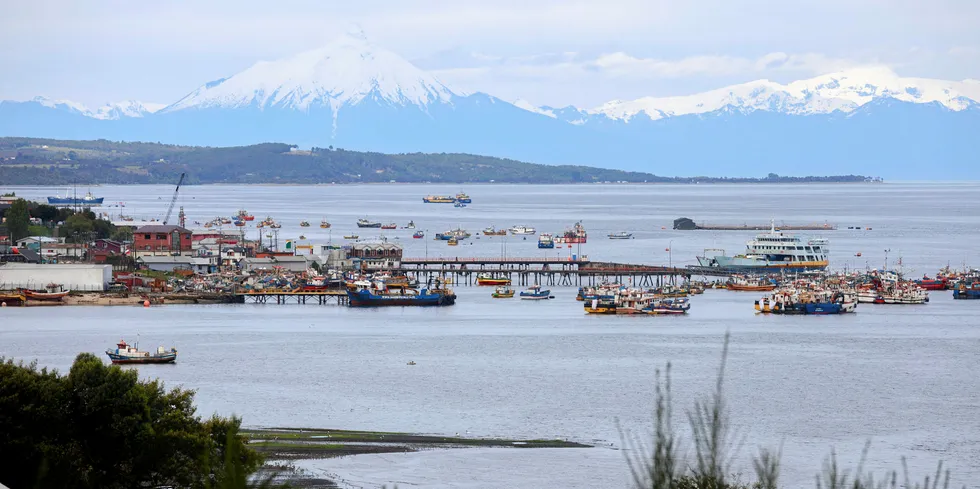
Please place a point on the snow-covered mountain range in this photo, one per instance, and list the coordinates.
(354, 94)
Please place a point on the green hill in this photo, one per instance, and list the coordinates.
(30, 161)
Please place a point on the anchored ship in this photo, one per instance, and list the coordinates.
(773, 251)
(89, 199)
(438, 199)
(125, 353)
(377, 294)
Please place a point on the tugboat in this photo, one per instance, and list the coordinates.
(503, 292)
(124, 354)
(376, 294)
(488, 279)
(535, 293)
(364, 223)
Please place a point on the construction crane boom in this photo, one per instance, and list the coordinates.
(173, 200)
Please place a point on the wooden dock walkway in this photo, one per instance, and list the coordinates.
(285, 296)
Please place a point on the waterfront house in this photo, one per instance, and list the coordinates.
(161, 240)
(290, 263)
(376, 256)
(199, 265)
(34, 242)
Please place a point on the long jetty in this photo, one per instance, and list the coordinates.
(549, 271)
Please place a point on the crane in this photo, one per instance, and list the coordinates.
(173, 200)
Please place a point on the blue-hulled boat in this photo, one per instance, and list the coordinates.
(88, 200)
(368, 294)
(964, 291)
(535, 292)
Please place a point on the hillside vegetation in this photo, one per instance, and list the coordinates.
(32, 161)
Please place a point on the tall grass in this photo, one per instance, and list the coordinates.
(660, 464)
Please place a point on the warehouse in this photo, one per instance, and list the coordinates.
(72, 277)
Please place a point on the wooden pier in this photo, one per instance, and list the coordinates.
(550, 271)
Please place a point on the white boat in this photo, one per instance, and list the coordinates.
(622, 235)
(773, 252)
(522, 230)
(535, 293)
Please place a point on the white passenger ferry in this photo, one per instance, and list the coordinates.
(773, 251)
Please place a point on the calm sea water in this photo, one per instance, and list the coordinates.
(906, 378)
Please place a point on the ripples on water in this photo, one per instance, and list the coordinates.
(907, 377)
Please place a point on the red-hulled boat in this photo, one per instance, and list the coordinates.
(938, 283)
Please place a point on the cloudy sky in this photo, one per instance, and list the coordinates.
(545, 51)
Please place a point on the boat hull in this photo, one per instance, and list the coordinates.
(493, 281)
(760, 265)
(152, 359)
(73, 201)
(44, 296)
(546, 245)
(369, 225)
(368, 299)
(966, 294)
(439, 200)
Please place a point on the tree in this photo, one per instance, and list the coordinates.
(77, 228)
(122, 234)
(18, 219)
(45, 212)
(103, 427)
(72, 155)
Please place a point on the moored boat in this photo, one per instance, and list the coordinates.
(245, 216)
(492, 231)
(503, 292)
(375, 294)
(87, 200)
(457, 233)
(462, 198)
(45, 296)
(545, 241)
(438, 199)
(575, 235)
(364, 223)
(966, 290)
(522, 230)
(13, 299)
(927, 283)
(535, 292)
(127, 354)
(773, 251)
(351, 236)
(418, 235)
(304, 224)
(411, 225)
(452, 241)
(390, 226)
(489, 279)
(621, 235)
(324, 224)
(745, 284)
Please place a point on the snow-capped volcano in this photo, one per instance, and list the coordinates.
(341, 73)
(844, 91)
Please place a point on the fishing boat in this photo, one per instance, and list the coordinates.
(411, 225)
(489, 279)
(49, 295)
(492, 231)
(967, 291)
(245, 216)
(773, 251)
(239, 222)
(225, 220)
(750, 285)
(575, 235)
(304, 224)
(452, 241)
(808, 301)
(351, 236)
(87, 200)
(418, 235)
(522, 230)
(669, 306)
(546, 241)
(926, 283)
(503, 292)
(535, 293)
(275, 225)
(364, 223)
(457, 233)
(438, 199)
(621, 235)
(390, 226)
(462, 198)
(125, 354)
(376, 294)
(324, 224)
(13, 298)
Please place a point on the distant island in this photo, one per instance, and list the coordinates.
(34, 161)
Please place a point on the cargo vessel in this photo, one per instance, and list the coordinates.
(575, 235)
(773, 252)
(377, 294)
(438, 199)
(88, 200)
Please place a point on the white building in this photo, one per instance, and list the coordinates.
(200, 265)
(73, 277)
(292, 263)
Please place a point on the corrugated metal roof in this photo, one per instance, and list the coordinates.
(160, 228)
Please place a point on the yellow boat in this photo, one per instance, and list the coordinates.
(503, 293)
(452, 241)
(438, 199)
(353, 236)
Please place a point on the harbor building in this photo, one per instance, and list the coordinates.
(71, 277)
(376, 256)
(158, 239)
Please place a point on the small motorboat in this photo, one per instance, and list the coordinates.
(490, 279)
(503, 292)
(239, 223)
(351, 236)
(47, 296)
(857, 254)
(324, 224)
(304, 224)
(390, 226)
(418, 235)
(411, 225)
(622, 235)
(125, 353)
(452, 241)
(536, 293)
